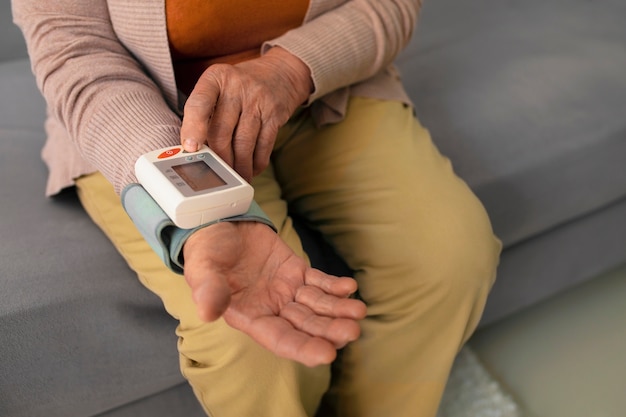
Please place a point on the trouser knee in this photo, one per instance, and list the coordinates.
(447, 268)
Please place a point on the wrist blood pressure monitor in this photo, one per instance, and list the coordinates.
(193, 188)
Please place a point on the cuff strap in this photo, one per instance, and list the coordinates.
(163, 236)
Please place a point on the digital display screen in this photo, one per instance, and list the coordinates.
(199, 176)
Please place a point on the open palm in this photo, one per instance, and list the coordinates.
(244, 272)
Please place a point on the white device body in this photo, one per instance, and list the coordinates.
(193, 188)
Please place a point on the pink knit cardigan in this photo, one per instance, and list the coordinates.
(105, 71)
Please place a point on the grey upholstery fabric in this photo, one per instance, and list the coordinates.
(80, 335)
(11, 43)
(557, 260)
(527, 99)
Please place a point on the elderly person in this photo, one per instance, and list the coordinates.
(301, 98)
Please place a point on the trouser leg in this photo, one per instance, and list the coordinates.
(231, 375)
(419, 241)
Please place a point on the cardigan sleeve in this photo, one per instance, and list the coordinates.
(350, 42)
(111, 109)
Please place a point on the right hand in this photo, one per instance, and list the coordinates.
(245, 273)
(238, 109)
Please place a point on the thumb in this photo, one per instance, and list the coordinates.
(198, 112)
(210, 291)
(212, 300)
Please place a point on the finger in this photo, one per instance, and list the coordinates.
(280, 337)
(198, 112)
(337, 331)
(264, 147)
(222, 127)
(210, 291)
(339, 286)
(245, 143)
(212, 298)
(329, 305)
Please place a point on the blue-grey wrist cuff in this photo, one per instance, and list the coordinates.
(163, 236)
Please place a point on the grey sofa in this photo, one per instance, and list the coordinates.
(528, 99)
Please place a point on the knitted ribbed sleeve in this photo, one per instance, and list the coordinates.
(105, 71)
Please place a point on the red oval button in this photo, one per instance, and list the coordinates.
(168, 153)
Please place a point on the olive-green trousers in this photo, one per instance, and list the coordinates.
(418, 240)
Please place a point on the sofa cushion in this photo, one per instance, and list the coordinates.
(528, 99)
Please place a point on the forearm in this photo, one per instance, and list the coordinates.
(352, 42)
(111, 110)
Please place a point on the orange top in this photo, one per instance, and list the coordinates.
(204, 32)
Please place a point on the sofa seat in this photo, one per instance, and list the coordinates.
(80, 335)
(529, 101)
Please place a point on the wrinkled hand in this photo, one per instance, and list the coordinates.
(237, 109)
(245, 273)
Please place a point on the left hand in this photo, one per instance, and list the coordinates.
(245, 273)
(237, 109)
